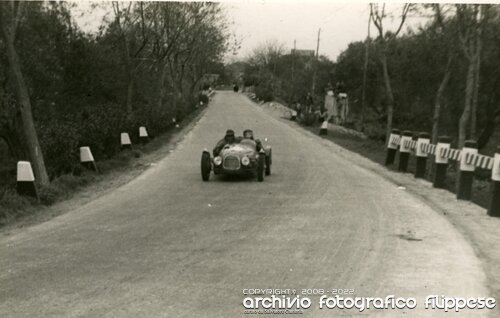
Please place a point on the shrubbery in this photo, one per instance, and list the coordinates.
(85, 89)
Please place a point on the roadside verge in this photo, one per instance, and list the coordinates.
(480, 230)
(118, 171)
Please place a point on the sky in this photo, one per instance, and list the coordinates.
(257, 21)
(341, 23)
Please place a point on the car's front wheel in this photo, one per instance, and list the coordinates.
(206, 166)
(260, 167)
(268, 164)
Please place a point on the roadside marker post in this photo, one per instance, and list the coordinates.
(87, 159)
(143, 135)
(392, 146)
(404, 150)
(466, 176)
(441, 162)
(324, 128)
(422, 141)
(125, 141)
(26, 180)
(494, 208)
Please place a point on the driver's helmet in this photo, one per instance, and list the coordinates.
(229, 137)
(248, 134)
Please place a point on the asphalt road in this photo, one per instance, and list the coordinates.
(169, 245)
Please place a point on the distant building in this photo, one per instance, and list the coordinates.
(298, 52)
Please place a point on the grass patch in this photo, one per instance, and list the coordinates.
(14, 207)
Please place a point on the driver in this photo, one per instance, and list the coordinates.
(227, 140)
(248, 134)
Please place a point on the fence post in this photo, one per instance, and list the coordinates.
(125, 141)
(466, 176)
(494, 208)
(143, 135)
(324, 128)
(26, 180)
(423, 138)
(87, 159)
(441, 162)
(391, 148)
(404, 150)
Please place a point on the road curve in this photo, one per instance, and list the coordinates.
(169, 245)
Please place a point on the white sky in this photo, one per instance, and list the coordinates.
(285, 21)
(340, 23)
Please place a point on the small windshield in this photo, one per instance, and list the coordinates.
(248, 142)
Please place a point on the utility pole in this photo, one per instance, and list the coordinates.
(317, 45)
(293, 58)
(293, 70)
(315, 64)
(365, 70)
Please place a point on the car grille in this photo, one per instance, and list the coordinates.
(231, 163)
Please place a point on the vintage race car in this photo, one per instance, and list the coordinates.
(238, 158)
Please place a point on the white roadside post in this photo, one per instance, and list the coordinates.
(324, 128)
(87, 159)
(494, 208)
(423, 139)
(392, 146)
(466, 171)
(26, 180)
(143, 135)
(125, 141)
(404, 150)
(441, 162)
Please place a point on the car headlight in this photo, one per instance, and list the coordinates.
(245, 161)
(217, 161)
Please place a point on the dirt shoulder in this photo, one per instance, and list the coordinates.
(149, 155)
(470, 219)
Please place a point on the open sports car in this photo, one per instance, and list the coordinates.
(238, 158)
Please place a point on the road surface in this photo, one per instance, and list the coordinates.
(169, 245)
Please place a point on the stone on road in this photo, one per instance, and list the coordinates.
(169, 245)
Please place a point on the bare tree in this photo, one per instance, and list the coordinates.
(441, 27)
(129, 17)
(470, 18)
(378, 14)
(169, 23)
(10, 16)
(265, 56)
(267, 52)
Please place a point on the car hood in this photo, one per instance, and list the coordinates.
(239, 150)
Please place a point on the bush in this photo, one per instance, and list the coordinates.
(50, 194)
(264, 92)
(11, 201)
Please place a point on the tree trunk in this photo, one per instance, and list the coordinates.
(390, 96)
(439, 95)
(488, 130)
(130, 76)
(23, 100)
(466, 114)
(477, 63)
(161, 86)
(130, 91)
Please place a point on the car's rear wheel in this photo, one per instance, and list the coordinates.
(260, 167)
(268, 164)
(206, 166)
